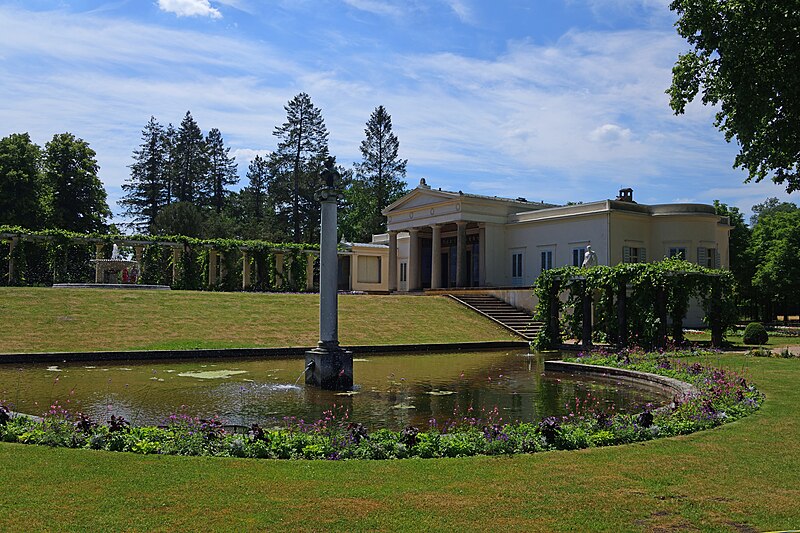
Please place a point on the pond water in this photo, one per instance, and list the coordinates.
(391, 390)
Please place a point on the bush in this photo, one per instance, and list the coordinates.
(755, 333)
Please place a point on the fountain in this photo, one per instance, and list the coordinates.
(116, 270)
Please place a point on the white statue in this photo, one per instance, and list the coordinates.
(589, 258)
(115, 253)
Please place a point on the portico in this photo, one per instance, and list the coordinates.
(437, 239)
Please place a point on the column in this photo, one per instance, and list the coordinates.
(98, 270)
(138, 251)
(436, 256)
(212, 268)
(392, 261)
(245, 270)
(310, 272)
(482, 256)
(278, 270)
(461, 253)
(11, 267)
(413, 260)
(176, 257)
(222, 270)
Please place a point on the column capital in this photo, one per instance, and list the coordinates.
(413, 231)
(462, 223)
(436, 225)
(392, 232)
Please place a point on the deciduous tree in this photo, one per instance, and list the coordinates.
(77, 199)
(20, 182)
(745, 58)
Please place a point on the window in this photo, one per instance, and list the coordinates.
(678, 253)
(633, 254)
(577, 256)
(547, 260)
(369, 269)
(708, 257)
(516, 265)
(403, 272)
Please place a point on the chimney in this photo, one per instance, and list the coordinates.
(626, 195)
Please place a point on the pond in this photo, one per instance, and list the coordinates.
(391, 390)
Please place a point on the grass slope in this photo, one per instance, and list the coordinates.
(743, 476)
(44, 319)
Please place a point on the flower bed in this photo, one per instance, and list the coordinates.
(722, 396)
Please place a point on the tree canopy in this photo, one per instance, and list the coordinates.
(77, 198)
(20, 182)
(378, 179)
(745, 58)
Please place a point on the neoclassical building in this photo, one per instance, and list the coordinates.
(442, 239)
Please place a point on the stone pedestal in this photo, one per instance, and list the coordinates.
(329, 367)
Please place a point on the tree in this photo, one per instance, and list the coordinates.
(742, 261)
(768, 207)
(221, 169)
(776, 242)
(378, 178)
(179, 218)
(190, 162)
(77, 199)
(255, 194)
(295, 166)
(746, 59)
(148, 188)
(20, 182)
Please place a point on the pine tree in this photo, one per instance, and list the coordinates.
(20, 182)
(378, 179)
(255, 194)
(77, 200)
(296, 164)
(171, 164)
(147, 190)
(190, 162)
(221, 170)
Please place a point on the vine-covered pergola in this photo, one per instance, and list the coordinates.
(57, 256)
(629, 304)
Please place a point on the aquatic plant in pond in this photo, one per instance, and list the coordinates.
(722, 396)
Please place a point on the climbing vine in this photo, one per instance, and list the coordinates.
(652, 292)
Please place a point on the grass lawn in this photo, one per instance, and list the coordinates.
(774, 339)
(45, 319)
(744, 476)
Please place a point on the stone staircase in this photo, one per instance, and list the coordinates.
(511, 318)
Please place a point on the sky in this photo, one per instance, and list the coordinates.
(551, 100)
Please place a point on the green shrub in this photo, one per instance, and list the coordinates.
(755, 333)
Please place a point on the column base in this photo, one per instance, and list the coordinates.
(331, 367)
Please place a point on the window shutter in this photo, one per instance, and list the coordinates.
(702, 256)
(626, 254)
(643, 254)
(717, 260)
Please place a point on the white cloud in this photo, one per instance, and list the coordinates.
(610, 133)
(189, 8)
(462, 10)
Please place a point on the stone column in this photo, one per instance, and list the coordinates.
(461, 253)
(436, 256)
(329, 366)
(212, 268)
(413, 260)
(586, 337)
(222, 270)
(482, 256)
(392, 261)
(310, 272)
(138, 251)
(245, 270)
(12, 244)
(176, 257)
(278, 270)
(98, 270)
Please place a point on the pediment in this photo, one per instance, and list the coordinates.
(419, 197)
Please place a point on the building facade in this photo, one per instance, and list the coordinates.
(441, 239)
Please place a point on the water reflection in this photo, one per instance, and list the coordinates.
(391, 390)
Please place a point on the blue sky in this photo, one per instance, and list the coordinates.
(554, 100)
